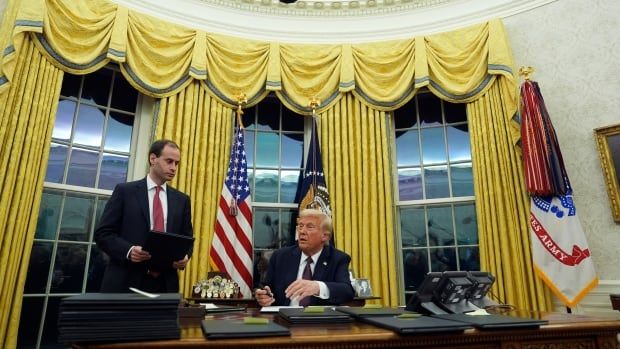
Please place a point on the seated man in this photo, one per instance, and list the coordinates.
(311, 273)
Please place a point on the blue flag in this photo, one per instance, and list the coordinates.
(313, 192)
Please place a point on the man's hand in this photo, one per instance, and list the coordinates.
(138, 255)
(302, 288)
(180, 264)
(264, 297)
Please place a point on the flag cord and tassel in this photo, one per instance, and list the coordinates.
(314, 104)
(241, 100)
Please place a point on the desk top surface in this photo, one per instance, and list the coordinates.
(361, 335)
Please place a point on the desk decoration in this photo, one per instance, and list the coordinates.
(217, 287)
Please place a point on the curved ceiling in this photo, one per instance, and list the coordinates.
(329, 21)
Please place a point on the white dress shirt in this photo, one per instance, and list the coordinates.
(150, 189)
(323, 290)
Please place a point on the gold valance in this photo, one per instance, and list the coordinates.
(161, 58)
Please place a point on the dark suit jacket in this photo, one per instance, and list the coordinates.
(125, 222)
(332, 268)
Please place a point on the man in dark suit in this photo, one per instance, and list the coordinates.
(311, 273)
(136, 208)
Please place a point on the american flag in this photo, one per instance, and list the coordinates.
(231, 249)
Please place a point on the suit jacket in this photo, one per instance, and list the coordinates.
(332, 268)
(125, 222)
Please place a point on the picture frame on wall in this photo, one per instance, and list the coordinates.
(608, 143)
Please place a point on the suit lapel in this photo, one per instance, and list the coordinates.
(322, 264)
(170, 196)
(143, 200)
(293, 267)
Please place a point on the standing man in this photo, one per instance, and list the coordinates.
(134, 209)
(311, 273)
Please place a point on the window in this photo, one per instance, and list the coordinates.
(90, 153)
(275, 149)
(435, 196)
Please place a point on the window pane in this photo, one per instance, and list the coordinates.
(469, 258)
(113, 170)
(267, 149)
(124, 96)
(440, 232)
(269, 114)
(410, 184)
(458, 143)
(462, 180)
(408, 148)
(96, 267)
(466, 225)
(266, 227)
(266, 187)
(70, 85)
(443, 259)
(56, 163)
(29, 321)
(248, 118)
(287, 226)
(64, 120)
(49, 212)
(404, 117)
(455, 112)
(69, 268)
(49, 339)
(288, 185)
(430, 109)
(292, 149)
(433, 146)
(436, 180)
(118, 135)
(101, 202)
(413, 227)
(89, 126)
(82, 168)
(415, 265)
(261, 264)
(292, 121)
(97, 87)
(38, 267)
(76, 217)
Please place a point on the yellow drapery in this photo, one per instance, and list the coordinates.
(354, 147)
(160, 58)
(165, 61)
(27, 113)
(502, 206)
(203, 129)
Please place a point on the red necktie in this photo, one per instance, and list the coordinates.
(158, 212)
(306, 275)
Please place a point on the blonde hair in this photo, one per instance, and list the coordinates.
(326, 220)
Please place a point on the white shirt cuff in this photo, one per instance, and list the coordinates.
(129, 252)
(323, 290)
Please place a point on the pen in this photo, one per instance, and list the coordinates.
(268, 292)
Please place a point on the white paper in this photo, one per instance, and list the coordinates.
(144, 293)
(209, 305)
(275, 309)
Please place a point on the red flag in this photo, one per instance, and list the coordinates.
(231, 249)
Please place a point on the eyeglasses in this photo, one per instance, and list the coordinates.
(301, 226)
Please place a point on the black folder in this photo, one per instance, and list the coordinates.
(300, 316)
(358, 312)
(214, 329)
(416, 325)
(494, 321)
(166, 248)
(224, 309)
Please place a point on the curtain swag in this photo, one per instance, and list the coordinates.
(160, 58)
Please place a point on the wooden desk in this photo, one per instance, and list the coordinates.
(563, 331)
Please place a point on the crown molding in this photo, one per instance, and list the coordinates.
(370, 20)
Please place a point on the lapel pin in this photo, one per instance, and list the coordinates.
(324, 263)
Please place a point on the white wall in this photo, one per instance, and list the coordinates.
(573, 45)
